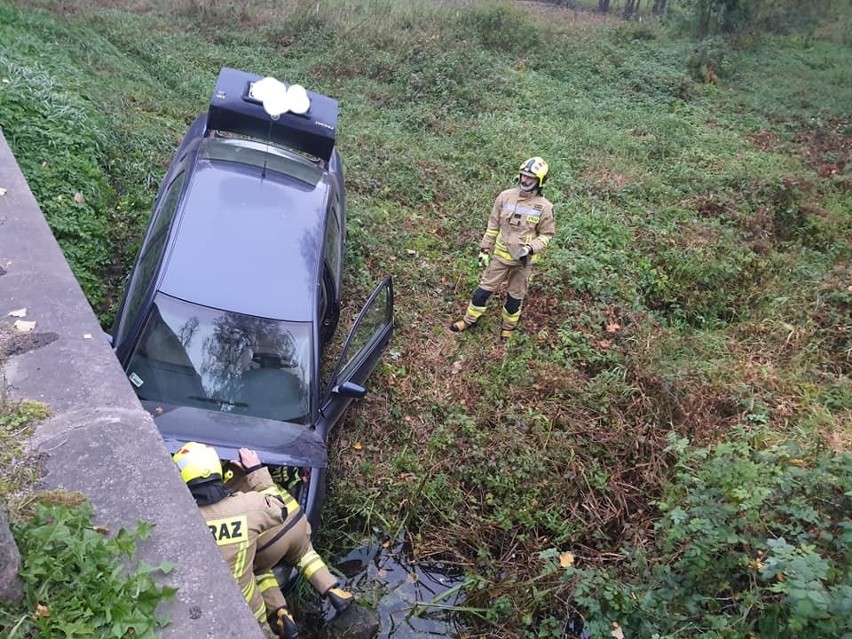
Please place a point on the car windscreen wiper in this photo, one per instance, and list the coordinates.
(216, 400)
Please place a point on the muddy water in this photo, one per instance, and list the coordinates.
(410, 599)
(407, 600)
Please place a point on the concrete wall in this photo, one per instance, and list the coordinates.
(98, 439)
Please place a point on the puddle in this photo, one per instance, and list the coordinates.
(387, 577)
(411, 600)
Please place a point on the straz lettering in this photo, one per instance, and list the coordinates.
(229, 530)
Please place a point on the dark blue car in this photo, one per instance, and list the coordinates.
(236, 290)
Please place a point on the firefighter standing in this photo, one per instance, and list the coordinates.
(520, 226)
(255, 530)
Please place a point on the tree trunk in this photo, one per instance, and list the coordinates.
(659, 7)
(704, 9)
(603, 6)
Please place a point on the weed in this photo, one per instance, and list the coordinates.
(754, 539)
(20, 470)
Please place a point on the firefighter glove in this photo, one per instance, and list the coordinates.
(282, 624)
(524, 255)
(484, 259)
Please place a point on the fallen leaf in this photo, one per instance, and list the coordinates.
(566, 559)
(605, 344)
(457, 366)
(78, 197)
(102, 530)
(614, 327)
(411, 251)
(158, 410)
(44, 164)
(42, 610)
(21, 312)
(617, 632)
(24, 327)
(358, 446)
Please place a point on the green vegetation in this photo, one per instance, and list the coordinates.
(76, 583)
(75, 578)
(16, 419)
(751, 540)
(674, 412)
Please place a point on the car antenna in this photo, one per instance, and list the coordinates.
(266, 155)
(277, 98)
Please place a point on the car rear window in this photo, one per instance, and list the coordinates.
(259, 154)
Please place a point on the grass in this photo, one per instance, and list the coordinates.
(20, 470)
(698, 284)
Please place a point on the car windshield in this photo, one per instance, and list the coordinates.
(192, 355)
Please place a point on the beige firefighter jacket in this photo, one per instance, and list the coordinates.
(237, 521)
(518, 218)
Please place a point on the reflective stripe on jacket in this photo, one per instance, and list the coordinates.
(518, 218)
(237, 521)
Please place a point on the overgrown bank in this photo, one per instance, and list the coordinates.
(698, 285)
(74, 576)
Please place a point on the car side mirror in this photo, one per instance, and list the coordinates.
(349, 389)
(108, 338)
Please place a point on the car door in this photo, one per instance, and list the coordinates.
(367, 340)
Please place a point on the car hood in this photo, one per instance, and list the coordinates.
(277, 443)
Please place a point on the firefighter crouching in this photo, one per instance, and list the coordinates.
(519, 228)
(255, 530)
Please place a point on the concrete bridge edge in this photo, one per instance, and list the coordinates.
(99, 440)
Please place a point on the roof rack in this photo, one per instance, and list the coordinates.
(233, 109)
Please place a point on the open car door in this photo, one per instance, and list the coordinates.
(367, 340)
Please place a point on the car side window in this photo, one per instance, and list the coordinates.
(151, 252)
(164, 215)
(371, 322)
(332, 238)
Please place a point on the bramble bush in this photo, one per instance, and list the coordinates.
(751, 542)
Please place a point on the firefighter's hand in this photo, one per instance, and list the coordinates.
(248, 460)
(524, 255)
(484, 259)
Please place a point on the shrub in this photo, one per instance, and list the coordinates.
(750, 541)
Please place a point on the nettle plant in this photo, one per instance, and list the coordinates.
(750, 542)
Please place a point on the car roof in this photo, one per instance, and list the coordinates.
(248, 240)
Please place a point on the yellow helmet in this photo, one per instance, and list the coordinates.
(198, 461)
(537, 168)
